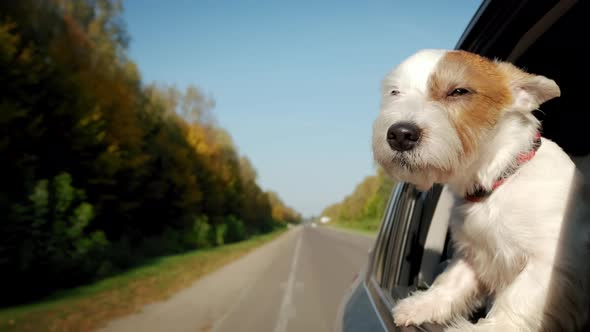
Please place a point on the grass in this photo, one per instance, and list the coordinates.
(90, 307)
(367, 226)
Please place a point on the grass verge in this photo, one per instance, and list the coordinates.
(89, 307)
(367, 226)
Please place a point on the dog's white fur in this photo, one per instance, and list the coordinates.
(522, 246)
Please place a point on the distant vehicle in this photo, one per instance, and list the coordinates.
(412, 246)
(325, 219)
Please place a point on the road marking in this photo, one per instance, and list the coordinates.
(287, 309)
(245, 291)
(298, 286)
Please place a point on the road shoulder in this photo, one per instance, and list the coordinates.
(209, 300)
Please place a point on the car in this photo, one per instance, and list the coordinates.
(412, 246)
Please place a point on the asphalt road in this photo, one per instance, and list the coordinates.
(295, 283)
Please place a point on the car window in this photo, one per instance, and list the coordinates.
(395, 252)
(384, 238)
(420, 223)
(399, 247)
(412, 218)
(388, 258)
(408, 220)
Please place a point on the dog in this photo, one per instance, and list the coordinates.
(466, 121)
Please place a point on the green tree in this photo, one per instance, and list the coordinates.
(367, 201)
(101, 171)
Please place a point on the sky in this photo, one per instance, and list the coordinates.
(296, 83)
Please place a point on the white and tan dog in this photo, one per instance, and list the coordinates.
(456, 118)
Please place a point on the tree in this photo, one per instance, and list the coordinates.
(280, 211)
(367, 201)
(101, 171)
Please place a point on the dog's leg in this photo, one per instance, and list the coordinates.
(519, 306)
(456, 292)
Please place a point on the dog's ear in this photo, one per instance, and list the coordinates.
(528, 91)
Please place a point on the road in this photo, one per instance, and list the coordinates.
(295, 283)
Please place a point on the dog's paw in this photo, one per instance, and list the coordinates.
(405, 313)
(465, 327)
(420, 308)
(469, 328)
(458, 329)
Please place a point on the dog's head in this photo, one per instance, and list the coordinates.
(439, 107)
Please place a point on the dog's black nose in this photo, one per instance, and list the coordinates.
(403, 136)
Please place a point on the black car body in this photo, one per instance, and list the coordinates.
(412, 246)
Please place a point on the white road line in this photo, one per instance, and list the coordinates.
(217, 324)
(287, 309)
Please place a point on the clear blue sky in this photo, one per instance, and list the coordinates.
(296, 83)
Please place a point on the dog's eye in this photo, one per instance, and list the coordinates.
(458, 92)
(394, 93)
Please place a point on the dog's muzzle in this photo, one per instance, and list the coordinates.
(403, 136)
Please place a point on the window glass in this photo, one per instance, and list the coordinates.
(384, 234)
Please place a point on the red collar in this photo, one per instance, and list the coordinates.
(480, 193)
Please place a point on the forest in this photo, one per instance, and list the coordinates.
(102, 171)
(366, 204)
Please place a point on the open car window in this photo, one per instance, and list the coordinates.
(536, 36)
